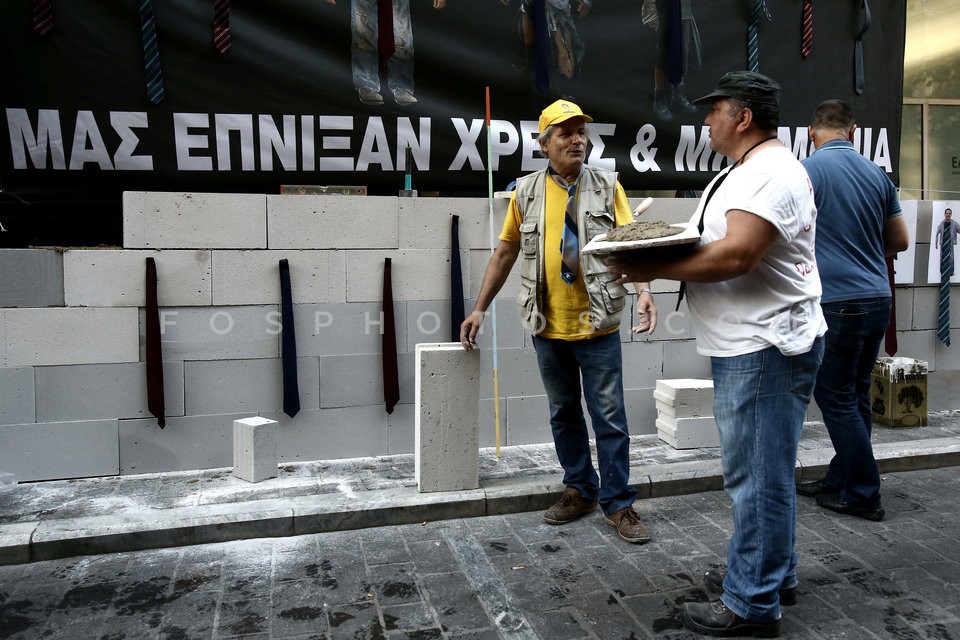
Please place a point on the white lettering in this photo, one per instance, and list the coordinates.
(23, 140)
(213, 323)
(242, 124)
(80, 152)
(273, 319)
(374, 149)
(328, 320)
(597, 130)
(164, 323)
(368, 323)
(186, 142)
(468, 144)
(285, 145)
(338, 143)
(123, 122)
(436, 323)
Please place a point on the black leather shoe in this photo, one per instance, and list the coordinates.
(714, 619)
(713, 580)
(814, 488)
(834, 502)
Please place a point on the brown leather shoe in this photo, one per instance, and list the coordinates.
(572, 505)
(628, 525)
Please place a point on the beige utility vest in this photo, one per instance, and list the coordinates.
(595, 208)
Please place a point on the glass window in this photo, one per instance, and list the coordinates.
(911, 152)
(931, 50)
(943, 156)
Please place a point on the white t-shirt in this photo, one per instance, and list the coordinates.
(778, 302)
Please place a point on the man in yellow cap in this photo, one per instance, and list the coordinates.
(572, 304)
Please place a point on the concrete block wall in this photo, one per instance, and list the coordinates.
(72, 364)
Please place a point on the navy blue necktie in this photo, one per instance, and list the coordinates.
(288, 344)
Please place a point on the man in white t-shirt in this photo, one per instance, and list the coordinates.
(754, 297)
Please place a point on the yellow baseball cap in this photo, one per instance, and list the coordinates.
(560, 111)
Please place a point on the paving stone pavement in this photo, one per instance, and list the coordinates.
(507, 576)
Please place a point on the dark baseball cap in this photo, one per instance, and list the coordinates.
(748, 86)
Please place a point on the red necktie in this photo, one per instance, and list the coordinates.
(806, 35)
(221, 25)
(42, 16)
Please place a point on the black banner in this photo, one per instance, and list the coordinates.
(280, 105)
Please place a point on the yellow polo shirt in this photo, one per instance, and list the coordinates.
(563, 304)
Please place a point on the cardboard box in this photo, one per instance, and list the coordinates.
(898, 392)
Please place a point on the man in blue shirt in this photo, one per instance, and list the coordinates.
(859, 223)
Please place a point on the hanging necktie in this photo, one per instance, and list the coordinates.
(42, 16)
(541, 46)
(674, 34)
(386, 45)
(890, 338)
(570, 238)
(155, 404)
(456, 282)
(806, 28)
(858, 48)
(946, 271)
(151, 52)
(221, 25)
(288, 344)
(758, 10)
(391, 374)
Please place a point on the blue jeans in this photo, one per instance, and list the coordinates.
(600, 362)
(855, 332)
(364, 47)
(760, 401)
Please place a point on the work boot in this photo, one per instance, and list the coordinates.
(628, 525)
(369, 96)
(661, 108)
(680, 101)
(571, 506)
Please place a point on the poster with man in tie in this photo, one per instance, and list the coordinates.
(944, 233)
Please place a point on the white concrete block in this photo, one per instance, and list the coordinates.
(17, 396)
(254, 386)
(186, 443)
(253, 277)
(415, 274)
(425, 223)
(447, 426)
(255, 448)
(473, 276)
(31, 278)
(689, 396)
(71, 336)
(117, 278)
(59, 450)
(332, 222)
(162, 220)
(100, 391)
(688, 433)
(217, 333)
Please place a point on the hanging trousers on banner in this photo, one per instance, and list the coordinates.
(456, 281)
(288, 344)
(858, 48)
(674, 28)
(151, 52)
(890, 338)
(391, 374)
(221, 25)
(42, 16)
(806, 28)
(946, 271)
(541, 46)
(386, 45)
(154, 353)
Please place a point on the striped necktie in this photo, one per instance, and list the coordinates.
(221, 25)
(806, 28)
(570, 238)
(946, 271)
(42, 16)
(151, 52)
(758, 10)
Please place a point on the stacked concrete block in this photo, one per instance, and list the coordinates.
(161, 220)
(447, 428)
(685, 413)
(57, 335)
(253, 277)
(255, 449)
(31, 278)
(332, 222)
